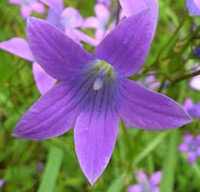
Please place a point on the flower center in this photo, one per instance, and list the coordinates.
(104, 72)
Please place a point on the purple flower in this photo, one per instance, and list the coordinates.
(68, 20)
(20, 47)
(146, 184)
(135, 6)
(94, 90)
(196, 52)
(1, 183)
(193, 7)
(29, 6)
(191, 146)
(105, 2)
(192, 109)
(100, 22)
(150, 82)
(195, 83)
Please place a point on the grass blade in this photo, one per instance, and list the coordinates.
(51, 170)
(169, 165)
(150, 148)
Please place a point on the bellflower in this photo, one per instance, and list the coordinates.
(191, 146)
(94, 90)
(193, 7)
(68, 20)
(195, 83)
(1, 183)
(150, 82)
(29, 6)
(146, 184)
(192, 109)
(20, 47)
(100, 22)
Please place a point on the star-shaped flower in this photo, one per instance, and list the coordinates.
(94, 90)
(191, 146)
(146, 184)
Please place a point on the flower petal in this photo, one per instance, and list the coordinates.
(18, 2)
(198, 151)
(198, 139)
(135, 188)
(192, 158)
(193, 7)
(141, 177)
(102, 13)
(156, 189)
(127, 46)
(57, 54)
(56, 5)
(81, 36)
(145, 109)
(156, 177)
(95, 134)
(188, 138)
(19, 47)
(44, 82)
(25, 11)
(72, 18)
(134, 6)
(52, 115)
(188, 104)
(38, 7)
(91, 22)
(54, 18)
(194, 83)
(183, 147)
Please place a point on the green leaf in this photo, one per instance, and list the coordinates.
(169, 165)
(196, 170)
(116, 185)
(150, 147)
(51, 171)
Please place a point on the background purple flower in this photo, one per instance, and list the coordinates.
(191, 146)
(146, 184)
(150, 82)
(195, 83)
(94, 89)
(135, 6)
(100, 22)
(69, 20)
(193, 7)
(1, 182)
(20, 47)
(29, 6)
(193, 109)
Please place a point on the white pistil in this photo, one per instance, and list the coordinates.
(98, 84)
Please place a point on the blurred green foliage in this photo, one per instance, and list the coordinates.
(20, 160)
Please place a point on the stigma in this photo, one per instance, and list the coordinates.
(98, 84)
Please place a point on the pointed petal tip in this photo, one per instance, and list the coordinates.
(92, 181)
(188, 118)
